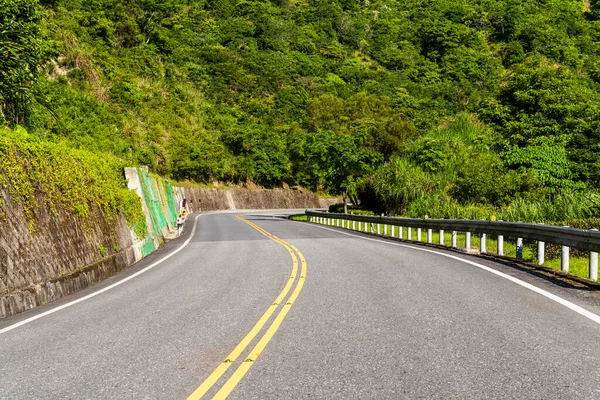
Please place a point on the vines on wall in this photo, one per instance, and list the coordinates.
(80, 182)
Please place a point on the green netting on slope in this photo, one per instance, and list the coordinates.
(147, 247)
(172, 204)
(167, 201)
(152, 199)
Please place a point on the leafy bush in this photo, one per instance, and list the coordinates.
(22, 52)
(76, 181)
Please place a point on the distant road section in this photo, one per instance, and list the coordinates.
(252, 306)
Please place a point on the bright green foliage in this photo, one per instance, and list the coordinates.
(77, 181)
(452, 172)
(494, 100)
(22, 52)
(399, 183)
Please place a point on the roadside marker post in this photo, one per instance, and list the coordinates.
(564, 259)
(594, 264)
(541, 252)
(519, 248)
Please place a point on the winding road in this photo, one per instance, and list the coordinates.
(254, 306)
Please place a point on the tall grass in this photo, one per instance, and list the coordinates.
(453, 172)
(569, 205)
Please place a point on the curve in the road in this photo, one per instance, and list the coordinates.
(247, 363)
(574, 307)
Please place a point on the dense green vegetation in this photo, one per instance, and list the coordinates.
(462, 108)
(78, 182)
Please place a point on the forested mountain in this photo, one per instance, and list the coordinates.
(447, 108)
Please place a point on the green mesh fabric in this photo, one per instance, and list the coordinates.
(152, 198)
(147, 247)
(172, 204)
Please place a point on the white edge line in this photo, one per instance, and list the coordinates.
(114, 285)
(574, 307)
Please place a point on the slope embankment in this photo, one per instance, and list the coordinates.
(56, 241)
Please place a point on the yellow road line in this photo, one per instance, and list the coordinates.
(260, 346)
(222, 368)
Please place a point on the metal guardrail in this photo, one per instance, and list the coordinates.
(566, 237)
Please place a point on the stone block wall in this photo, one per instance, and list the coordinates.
(57, 255)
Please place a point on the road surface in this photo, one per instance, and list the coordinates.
(259, 307)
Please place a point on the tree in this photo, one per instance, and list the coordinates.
(348, 162)
(21, 57)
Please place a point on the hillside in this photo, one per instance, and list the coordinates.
(446, 108)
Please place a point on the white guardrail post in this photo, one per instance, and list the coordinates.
(519, 249)
(441, 236)
(468, 241)
(500, 245)
(454, 235)
(409, 234)
(594, 263)
(429, 235)
(418, 234)
(564, 258)
(482, 243)
(541, 252)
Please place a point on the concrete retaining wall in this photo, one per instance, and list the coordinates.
(242, 199)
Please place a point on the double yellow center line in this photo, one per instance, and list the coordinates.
(247, 363)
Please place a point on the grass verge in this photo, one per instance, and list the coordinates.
(298, 217)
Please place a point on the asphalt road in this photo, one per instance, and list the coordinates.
(373, 319)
